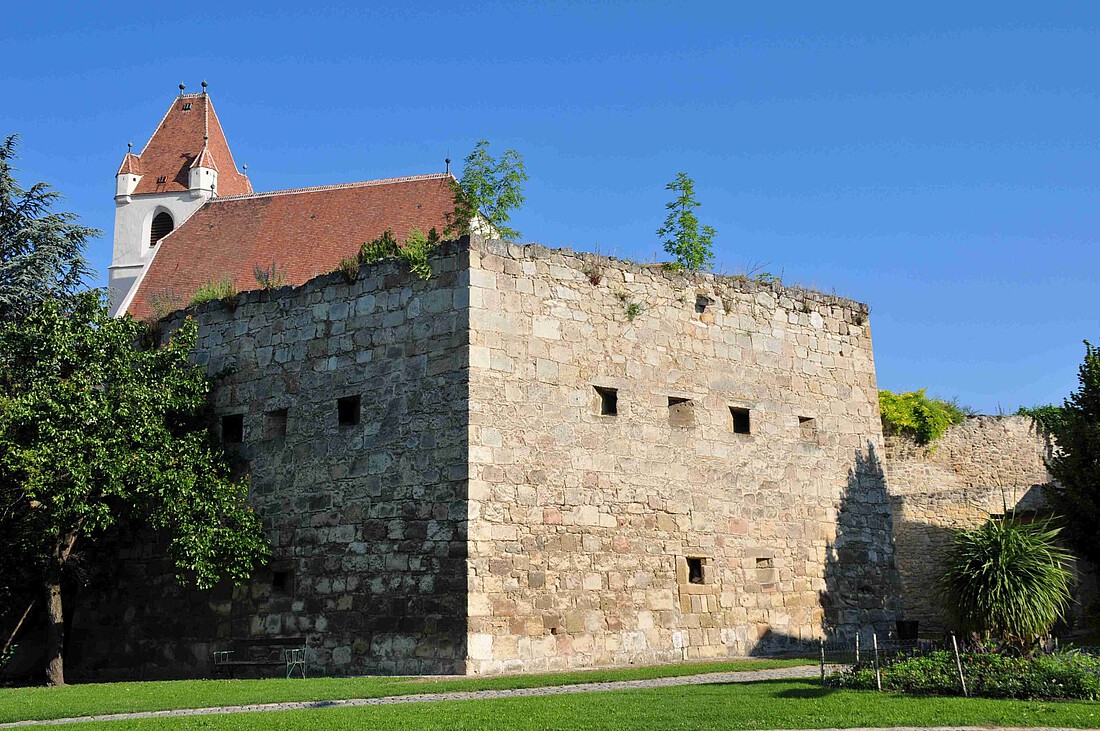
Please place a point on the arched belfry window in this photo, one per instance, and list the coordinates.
(162, 226)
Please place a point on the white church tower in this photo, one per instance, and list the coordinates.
(183, 165)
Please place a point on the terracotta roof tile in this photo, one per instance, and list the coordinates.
(204, 160)
(131, 164)
(304, 232)
(178, 140)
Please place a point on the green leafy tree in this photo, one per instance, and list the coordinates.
(1075, 461)
(1007, 580)
(915, 415)
(96, 430)
(487, 193)
(41, 252)
(684, 239)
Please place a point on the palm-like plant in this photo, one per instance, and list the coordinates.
(1007, 580)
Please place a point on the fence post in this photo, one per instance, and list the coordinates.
(858, 633)
(821, 642)
(878, 672)
(959, 665)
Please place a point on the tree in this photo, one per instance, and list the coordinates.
(487, 193)
(1075, 461)
(41, 252)
(683, 238)
(1007, 580)
(96, 430)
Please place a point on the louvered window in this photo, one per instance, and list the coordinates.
(162, 226)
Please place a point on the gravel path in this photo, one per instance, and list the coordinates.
(805, 671)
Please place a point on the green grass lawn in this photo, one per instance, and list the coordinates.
(763, 705)
(18, 704)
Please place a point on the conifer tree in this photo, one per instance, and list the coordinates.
(41, 251)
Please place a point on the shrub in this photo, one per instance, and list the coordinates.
(383, 247)
(269, 278)
(915, 415)
(1066, 675)
(415, 253)
(349, 268)
(220, 290)
(1007, 580)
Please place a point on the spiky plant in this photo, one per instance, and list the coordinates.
(1007, 580)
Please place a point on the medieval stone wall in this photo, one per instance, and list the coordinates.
(988, 465)
(660, 532)
(367, 519)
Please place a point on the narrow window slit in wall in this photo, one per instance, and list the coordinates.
(807, 426)
(765, 571)
(187, 106)
(162, 179)
(282, 582)
(681, 411)
(695, 570)
(741, 423)
(609, 401)
(348, 410)
(701, 303)
(233, 428)
(275, 423)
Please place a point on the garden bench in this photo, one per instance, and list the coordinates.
(286, 652)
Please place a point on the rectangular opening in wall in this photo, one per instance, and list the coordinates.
(608, 401)
(275, 423)
(740, 416)
(162, 179)
(701, 303)
(807, 427)
(695, 571)
(282, 582)
(681, 411)
(187, 106)
(233, 428)
(765, 571)
(347, 410)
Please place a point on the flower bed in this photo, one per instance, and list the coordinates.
(1065, 675)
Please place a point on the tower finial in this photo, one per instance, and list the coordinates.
(182, 87)
(448, 161)
(129, 147)
(204, 86)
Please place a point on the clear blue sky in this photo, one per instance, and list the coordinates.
(939, 161)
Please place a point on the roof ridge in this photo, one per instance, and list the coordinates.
(336, 186)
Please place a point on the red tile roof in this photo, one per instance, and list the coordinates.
(178, 140)
(131, 164)
(303, 231)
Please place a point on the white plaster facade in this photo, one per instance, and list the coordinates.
(133, 221)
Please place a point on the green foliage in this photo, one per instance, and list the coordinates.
(915, 415)
(415, 251)
(41, 252)
(1007, 580)
(683, 238)
(1075, 463)
(223, 289)
(96, 430)
(383, 247)
(1061, 676)
(269, 278)
(1048, 417)
(490, 189)
(349, 268)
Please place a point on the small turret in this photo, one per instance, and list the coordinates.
(128, 176)
(203, 177)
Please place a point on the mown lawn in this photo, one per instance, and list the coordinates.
(763, 705)
(18, 704)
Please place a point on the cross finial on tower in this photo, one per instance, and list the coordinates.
(182, 87)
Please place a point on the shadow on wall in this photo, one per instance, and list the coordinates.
(861, 580)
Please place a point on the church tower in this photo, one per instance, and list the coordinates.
(183, 165)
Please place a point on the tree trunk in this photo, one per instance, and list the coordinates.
(55, 631)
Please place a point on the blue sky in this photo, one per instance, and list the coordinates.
(939, 161)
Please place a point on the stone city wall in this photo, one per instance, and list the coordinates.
(988, 465)
(367, 518)
(660, 532)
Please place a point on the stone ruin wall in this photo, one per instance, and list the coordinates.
(367, 521)
(581, 524)
(976, 470)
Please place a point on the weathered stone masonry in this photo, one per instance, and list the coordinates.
(485, 516)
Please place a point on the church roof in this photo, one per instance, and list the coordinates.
(304, 232)
(131, 164)
(204, 160)
(178, 141)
